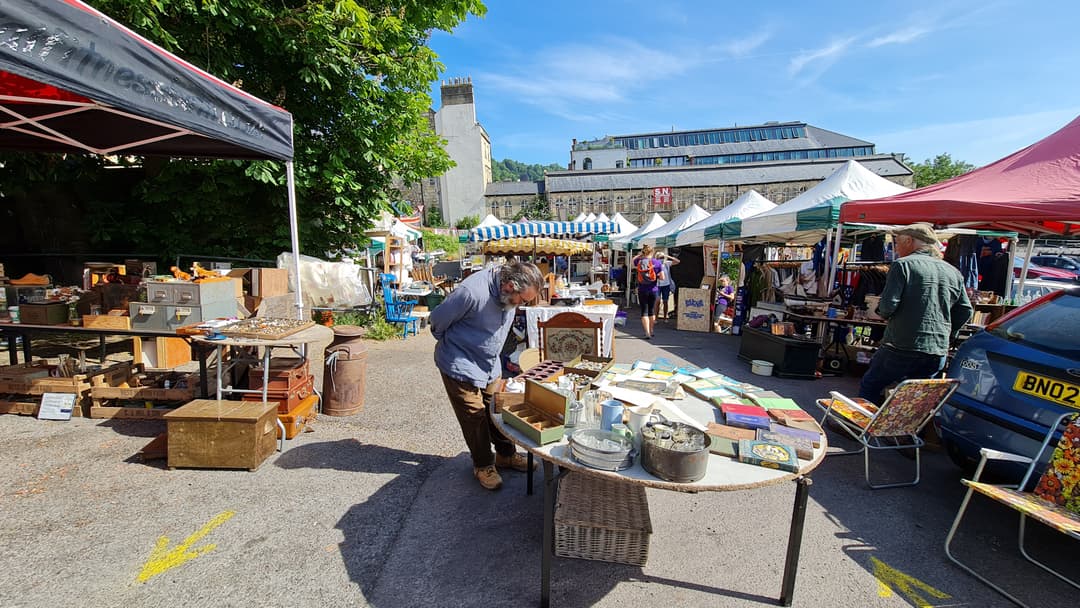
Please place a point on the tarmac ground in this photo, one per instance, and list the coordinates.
(380, 509)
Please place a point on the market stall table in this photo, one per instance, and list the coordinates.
(604, 313)
(12, 331)
(722, 475)
(246, 351)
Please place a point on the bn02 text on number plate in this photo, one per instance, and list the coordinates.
(1050, 389)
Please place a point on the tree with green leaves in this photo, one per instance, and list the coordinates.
(355, 75)
(941, 168)
(535, 209)
(508, 170)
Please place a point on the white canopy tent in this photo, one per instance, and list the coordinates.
(748, 203)
(603, 217)
(490, 220)
(626, 227)
(581, 217)
(808, 217)
(687, 218)
(625, 242)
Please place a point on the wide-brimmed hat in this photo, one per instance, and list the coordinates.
(921, 231)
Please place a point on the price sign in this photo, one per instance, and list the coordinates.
(463, 238)
(600, 238)
(56, 406)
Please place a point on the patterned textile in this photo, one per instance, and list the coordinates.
(909, 405)
(849, 413)
(1060, 484)
(1031, 505)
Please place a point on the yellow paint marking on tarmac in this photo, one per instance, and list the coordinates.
(162, 558)
(908, 586)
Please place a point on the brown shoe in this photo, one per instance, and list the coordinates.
(518, 462)
(488, 477)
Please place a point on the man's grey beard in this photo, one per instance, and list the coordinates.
(504, 300)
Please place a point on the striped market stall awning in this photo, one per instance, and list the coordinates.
(557, 229)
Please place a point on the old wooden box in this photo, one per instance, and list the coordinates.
(540, 417)
(44, 313)
(143, 394)
(588, 365)
(24, 393)
(212, 434)
(109, 321)
(286, 399)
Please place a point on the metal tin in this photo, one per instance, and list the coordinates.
(674, 465)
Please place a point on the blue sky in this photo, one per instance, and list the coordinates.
(977, 80)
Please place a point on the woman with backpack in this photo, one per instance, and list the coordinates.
(649, 272)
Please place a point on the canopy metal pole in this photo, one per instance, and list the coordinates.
(1027, 262)
(294, 231)
(835, 260)
(1014, 242)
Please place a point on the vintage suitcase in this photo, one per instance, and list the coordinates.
(299, 417)
(286, 374)
(286, 400)
(211, 434)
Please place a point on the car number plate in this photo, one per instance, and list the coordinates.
(1050, 389)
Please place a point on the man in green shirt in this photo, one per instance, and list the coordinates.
(925, 304)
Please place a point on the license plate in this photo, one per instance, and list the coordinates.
(1050, 389)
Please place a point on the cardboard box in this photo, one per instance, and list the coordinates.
(694, 310)
(262, 282)
(212, 434)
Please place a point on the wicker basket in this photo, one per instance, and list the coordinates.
(600, 519)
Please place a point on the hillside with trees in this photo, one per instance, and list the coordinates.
(508, 170)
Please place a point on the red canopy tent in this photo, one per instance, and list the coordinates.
(1035, 191)
(73, 80)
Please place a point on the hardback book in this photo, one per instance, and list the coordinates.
(682, 378)
(645, 365)
(725, 439)
(739, 408)
(689, 371)
(713, 393)
(813, 437)
(659, 374)
(803, 448)
(783, 416)
(705, 373)
(746, 421)
(775, 403)
(768, 454)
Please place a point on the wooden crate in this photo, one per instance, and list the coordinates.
(212, 434)
(142, 402)
(79, 384)
(24, 372)
(107, 321)
(574, 366)
(541, 416)
(162, 353)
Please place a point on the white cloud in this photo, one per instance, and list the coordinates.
(902, 36)
(744, 46)
(820, 59)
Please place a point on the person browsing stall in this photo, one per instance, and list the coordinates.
(471, 325)
(665, 285)
(649, 271)
(925, 304)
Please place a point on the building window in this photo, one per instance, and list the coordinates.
(618, 164)
(587, 164)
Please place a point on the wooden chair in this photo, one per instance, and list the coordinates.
(400, 311)
(1055, 501)
(568, 335)
(893, 426)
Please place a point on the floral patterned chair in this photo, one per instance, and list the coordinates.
(893, 426)
(1055, 501)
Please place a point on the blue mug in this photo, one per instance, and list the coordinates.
(611, 412)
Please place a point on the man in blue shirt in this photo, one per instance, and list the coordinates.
(471, 327)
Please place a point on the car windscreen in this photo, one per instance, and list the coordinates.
(1053, 326)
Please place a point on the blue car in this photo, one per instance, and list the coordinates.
(1016, 377)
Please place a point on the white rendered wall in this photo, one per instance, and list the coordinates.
(601, 159)
(462, 187)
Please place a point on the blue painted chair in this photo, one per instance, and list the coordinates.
(400, 311)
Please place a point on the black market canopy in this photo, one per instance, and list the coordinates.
(72, 80)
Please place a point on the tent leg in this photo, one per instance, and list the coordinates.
(835, 257)
(294, 231)
(1027, 262)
